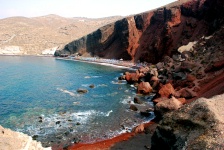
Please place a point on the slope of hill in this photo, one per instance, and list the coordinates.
(20, 35)
(151, 35)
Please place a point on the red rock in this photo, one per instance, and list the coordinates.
(166, 90)
(190, 78)
(154, 78)
(144, 88)
(186, 93)
(132, 77)
(182, 100)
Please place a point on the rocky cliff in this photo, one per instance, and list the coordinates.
(10, 140)
(151, 35)
(198, 125)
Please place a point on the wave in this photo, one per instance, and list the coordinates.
(67, 92)
(106, 114)
(118, 82)
(88, 77)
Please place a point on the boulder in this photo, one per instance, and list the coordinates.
(11, 140)
(166, 90)
(132, 77)
(198, 125)
(121, 77)
(143, 70)
(157, 100)
(92, 86)
(186, 93)
(167, 105)
(160, 65)
(133, 107)
(82, 91)
(144, 88)
(137, 100)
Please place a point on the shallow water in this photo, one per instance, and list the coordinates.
(38, 97)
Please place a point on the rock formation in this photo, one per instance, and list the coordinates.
(198, 125)
(11, 140)
(151, 35)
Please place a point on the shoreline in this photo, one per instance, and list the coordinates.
(109, 143)
(122, 64)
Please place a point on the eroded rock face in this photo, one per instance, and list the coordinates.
(198, 125)
(11, 140)
(151, 35)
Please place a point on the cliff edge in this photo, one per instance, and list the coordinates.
(12, 140)
(151, 35)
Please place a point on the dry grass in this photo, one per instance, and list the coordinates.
(33, 35)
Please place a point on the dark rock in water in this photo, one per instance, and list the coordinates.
(133, 107)
(35, 137)
(92, 86)
(58, 122)
(145, 113)
(78, 123)
(137, 100)
(40, 119)
(69, 120)
(121, 77)
(82, 91)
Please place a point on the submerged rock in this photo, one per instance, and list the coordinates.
(133, 107)
(92, 86)
(82, 91)
(198, 125)
(137, 100)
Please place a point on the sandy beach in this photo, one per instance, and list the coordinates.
(106, 62)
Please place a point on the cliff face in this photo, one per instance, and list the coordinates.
(151, 35)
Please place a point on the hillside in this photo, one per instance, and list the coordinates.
(152, 35)
(20, 35)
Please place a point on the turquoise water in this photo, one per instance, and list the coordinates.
(38, 97)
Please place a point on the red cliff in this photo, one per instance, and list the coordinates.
(151, 35)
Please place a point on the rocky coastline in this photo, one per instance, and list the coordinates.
(178, 82)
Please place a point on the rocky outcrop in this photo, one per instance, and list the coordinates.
(10, 140)
(151, 35)
(198, 125)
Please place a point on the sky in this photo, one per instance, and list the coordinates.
(77, 8)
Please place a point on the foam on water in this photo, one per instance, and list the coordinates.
(67, 92)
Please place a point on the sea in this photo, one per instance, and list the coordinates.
(38, 96)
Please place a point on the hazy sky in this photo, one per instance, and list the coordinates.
(77, 8)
